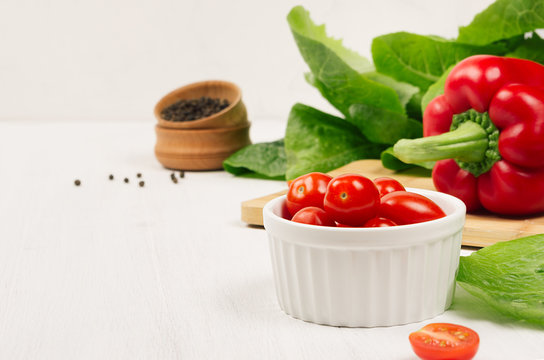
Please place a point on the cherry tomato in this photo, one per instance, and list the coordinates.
(352, 199)
(380, 222)
(314, 216)
(307, 190)
(342, 225)
(441, 341)
(386, 185)
(405, 207)
(285, 212)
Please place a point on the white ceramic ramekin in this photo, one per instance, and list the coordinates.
(365, 277)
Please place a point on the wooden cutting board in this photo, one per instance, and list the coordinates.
(480, 230)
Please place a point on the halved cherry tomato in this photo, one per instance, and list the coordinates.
(441, 341)
(314, 216)
(405, 207)
(352, 199)
(386, 185)
(307, 190)
(380, 222)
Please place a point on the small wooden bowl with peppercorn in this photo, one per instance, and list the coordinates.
(200, 125)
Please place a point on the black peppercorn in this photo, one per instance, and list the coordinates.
(126, 180)
(77, 182)
(193, 109)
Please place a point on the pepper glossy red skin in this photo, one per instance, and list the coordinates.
(512, 92)
(449, 178)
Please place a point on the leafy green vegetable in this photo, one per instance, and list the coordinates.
(502, 20)
(531, 48)
(267, 159)
(406, 92)
(421, 60)
(304, 28)
(316, 141)
(435, 89)
(509, 276)
(413, 107)
(382, 126)
(338, 72)
(381, 102)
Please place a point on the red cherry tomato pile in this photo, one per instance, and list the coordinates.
(353, 200)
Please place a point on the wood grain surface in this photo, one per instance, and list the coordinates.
(480, 230)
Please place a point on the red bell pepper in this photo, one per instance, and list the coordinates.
(489, 124)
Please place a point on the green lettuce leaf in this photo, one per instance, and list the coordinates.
(502, 20)
(435, 89)
(509, 276)
(316, 141)
(531, 48)
(421, 60)
(263, 160)
(406, 92)
(337, 72)
(382, 126)
(413, 107)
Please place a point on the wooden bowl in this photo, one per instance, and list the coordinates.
(233, 115)
(199, 149)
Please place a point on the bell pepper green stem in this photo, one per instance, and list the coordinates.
(466, 143)
(472, 142)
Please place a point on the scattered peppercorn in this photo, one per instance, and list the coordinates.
(139, 175)
(77, 182)
(181, 174)
(141, 183)
(173, 177)
(111, 177)
(193, 109)
(126, 180)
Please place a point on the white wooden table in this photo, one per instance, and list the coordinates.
(109, 270)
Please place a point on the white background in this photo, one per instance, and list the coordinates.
(103, 60)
